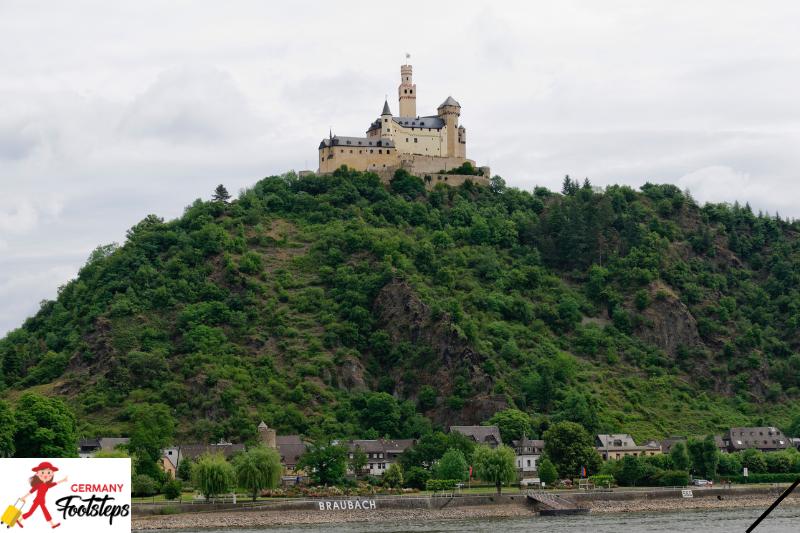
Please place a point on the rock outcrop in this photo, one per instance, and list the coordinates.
(668, 322)
(405, 317)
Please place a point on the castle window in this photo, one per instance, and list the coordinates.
(386, 120)
(351, 151)
(341, 151)
(371, 151)
(380, 151)
(415, 139)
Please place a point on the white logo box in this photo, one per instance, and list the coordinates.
(96, 495)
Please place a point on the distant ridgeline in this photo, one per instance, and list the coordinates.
(345, 305)
(432, 147)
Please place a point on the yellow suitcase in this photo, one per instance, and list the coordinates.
(11, 515)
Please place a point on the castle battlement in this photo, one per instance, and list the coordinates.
(423, 145)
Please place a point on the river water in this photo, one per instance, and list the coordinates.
(715, 521)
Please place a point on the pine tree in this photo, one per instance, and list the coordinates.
(221, 194)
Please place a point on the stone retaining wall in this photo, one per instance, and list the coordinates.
(407, 502)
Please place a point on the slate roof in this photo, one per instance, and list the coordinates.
(450, 101)
(480, 434)
(105, 444)
(393, 447)
(356, 142)
(108, 444)
(762, 438)
(526, 446)
(386, 110)
(616, 440)
(669, 442)
(432, 122)
(290, 448)
(193, 451)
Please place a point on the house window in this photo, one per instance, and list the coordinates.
(529, 462)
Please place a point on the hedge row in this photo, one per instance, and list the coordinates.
(764, 478)
(435, 485)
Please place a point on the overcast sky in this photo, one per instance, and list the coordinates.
(113, 110)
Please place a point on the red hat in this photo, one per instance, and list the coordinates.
(43, 466)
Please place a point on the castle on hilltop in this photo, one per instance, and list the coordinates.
(433, 147)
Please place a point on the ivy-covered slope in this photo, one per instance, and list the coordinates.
(306, 300)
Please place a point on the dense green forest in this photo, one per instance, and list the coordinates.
(342, 305)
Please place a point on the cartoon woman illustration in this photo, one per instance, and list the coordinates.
(41, 482)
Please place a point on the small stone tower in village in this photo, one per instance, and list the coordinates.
(267, 435)
(407, 92)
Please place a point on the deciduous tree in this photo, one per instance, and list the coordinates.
(325, 463)
(213, 475)
(452, 465)
(258, 468)
(495, 465)
(44, 427)
(513, 424)
(569, 446)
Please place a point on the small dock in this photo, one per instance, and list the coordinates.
(548, 504)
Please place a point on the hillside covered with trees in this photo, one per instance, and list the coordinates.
(343, 306)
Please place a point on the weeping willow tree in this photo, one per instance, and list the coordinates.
(257, 469)
(213, 475)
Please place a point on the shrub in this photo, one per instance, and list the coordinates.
(764, 478)
(674, 478)
(393, 477)
(599, 480)
(172, 489)
(144, 485)
(416, 477)
(436, 485)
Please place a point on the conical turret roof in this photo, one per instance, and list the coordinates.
(450, 101)
(386, 110)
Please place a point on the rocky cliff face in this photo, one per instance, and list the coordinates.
(405, 317)
(668, 323)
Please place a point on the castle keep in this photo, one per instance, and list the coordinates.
(428, 146)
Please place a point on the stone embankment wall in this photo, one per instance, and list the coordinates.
(364, 502)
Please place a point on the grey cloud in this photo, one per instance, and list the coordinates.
(190, 104)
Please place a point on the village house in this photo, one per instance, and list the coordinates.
(528, 452)
(89, 447)
(290, 448)
(765, 439)
(488, 435)
(669, 442)
(618, 445)
(380, 453)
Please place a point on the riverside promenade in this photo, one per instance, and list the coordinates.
(441, 507)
